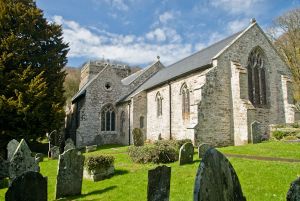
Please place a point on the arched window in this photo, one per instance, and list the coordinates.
(185, 93)
(122, 123)
(141, 122)
(108, 118)
(257, 78)
(158, 104)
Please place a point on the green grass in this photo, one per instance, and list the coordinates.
(260, 180)
(278, 149)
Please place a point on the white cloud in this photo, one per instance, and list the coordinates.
(166, 16)
(237, 6)
(237, 25)
(116, 4)
(131, 49)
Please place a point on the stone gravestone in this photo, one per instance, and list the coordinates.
(39, 157)
(22, 161)
(3, 168)
(186, 153)
(29, 186)
(138, 138)
(159, 184)
(202, 149)
(11, 148)
(256, 132)
(294, 192)
(69, 144)
(69, 175)
(216, 179)
(54, 152)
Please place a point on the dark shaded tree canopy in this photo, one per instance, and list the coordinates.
(32, 56)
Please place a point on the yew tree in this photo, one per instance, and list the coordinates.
(32, 56)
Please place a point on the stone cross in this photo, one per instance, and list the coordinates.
(69, 144)
(216, 179)
(29, 186)
(186, 153)
(202, 149)
(69, 174)
(159, 184)
(294, 192)
(11, 148)
(22, 161)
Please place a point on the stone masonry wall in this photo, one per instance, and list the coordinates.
(233, 110)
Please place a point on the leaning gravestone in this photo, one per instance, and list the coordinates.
(22, 161)
(29, 186)
(294, 192)
(159, 184)
(54, 152)
(202, 149)
(3, 168)
(186, 153)
(11, 148)
(69, 175)
(69, 144)
(216, 179)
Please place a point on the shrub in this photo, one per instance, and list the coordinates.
(101, 161)
(156, 153)
(279, 134)
(290, 137)
(295, 125)
(298, 135)
(138, 138)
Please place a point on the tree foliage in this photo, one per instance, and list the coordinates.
(286, 36)
(32, 56)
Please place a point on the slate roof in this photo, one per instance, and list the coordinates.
(197, 61)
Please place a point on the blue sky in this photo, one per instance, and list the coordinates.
(136, 31)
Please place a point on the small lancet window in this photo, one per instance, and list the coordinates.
(185, 94)
(158, 104)
(257, 78)
(108, 118)
(122, 123)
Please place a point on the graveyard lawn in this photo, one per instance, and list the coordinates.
(261, 180)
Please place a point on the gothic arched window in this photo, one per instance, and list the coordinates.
(257, 78)
(185, 93)
(158, 104)
(108, 118)
(141, 122)
(122, 123)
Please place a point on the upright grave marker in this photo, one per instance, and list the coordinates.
(216, 179)
(159, 184)
(69, 175)
(294, 192)
(202, 149)
(11, 148)
(29, 186)
(186, 153)
(22, 161)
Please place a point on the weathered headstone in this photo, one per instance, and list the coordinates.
(69, 175)
(22, 161)
(216, 179)
(29, 186)
(256, 132)
(3, 168)
(11, 148)
(202, 149)
(91, 148)
(294, 192)
(159, 184)
(54, 152)
(69, 144)
(186, 153)
(138, 138)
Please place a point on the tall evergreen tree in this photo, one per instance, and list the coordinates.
(32, 56)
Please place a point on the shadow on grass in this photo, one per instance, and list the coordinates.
(120, 172)
(96, 192)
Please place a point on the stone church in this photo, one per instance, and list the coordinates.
(226, 94)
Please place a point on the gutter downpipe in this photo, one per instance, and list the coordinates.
(129, 122)
(170, 109)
